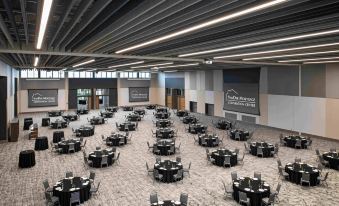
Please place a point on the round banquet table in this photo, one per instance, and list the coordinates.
(64, 145)
(222, 124)
(333, 159)
(70, 117)
(254, 188)
(291, 140)
(168, 168)
(209, 139)
(182, 113)
(115, 139)
(163, 123)
(161, 115)
(45, 122)
(189, 120)
(130, 125)
(165, 133)
(26, 158)
(54, 125)
(82, 111)
(96, 157)
(83, 186)
(86, 131)
(111, 109)
(197, 128)
(220, 154)
(151, 106)
(133, 117)
(97, 120)
(58, 136)
(127, 108)
(164, 145)
(140, 111)
(54, 113)
(41, 143)
(266, 148)
(243, 134)
(106, 114)
(295, 171)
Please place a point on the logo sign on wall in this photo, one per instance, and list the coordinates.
(242, 98)
(42, 98)
(138, 94)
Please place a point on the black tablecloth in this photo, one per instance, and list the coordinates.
(168, 168)
(86, 131)
(27, 122)
(41, 143)
(220, 154)
(45, 122)
(291, 140)
(333, 159)
(64, 145)
(243, 134)
(54, 125)
(54, 113)
(82, 111)
(182, 113)
(161, 115)
(255, 190)
(97, 120)
(133, 117)
(140, 111)
(165, 133)
(164, 146)
(26, 159)
(96, 158)
(266, 148)
(163, 123)
(130, 125)
(64, 194)
(111, 109)
(127, 108)
(161, 109)
(57, 136)
(106, 114)
(115, 139)
(70, 117)
(189, 120)
(295, 171)
(197, 128)
(224, 125)
(209, 140)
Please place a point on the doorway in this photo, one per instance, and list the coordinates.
(193, 106)
(209, 109)
(3, 107)
(101, 98)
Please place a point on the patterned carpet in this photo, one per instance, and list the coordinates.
(129, 184)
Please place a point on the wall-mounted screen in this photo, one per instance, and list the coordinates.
(42, 97)
(138, 94)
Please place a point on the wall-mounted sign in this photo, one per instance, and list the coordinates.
(138, 94)
(42, 97)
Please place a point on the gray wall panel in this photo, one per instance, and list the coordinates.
(332, 81)
(41, 84)
(113, 97)
(125, 83)
(229, 115)
(72, 99)
(249, 119)
(79, 83)
(283, 81)
(193, 80)
(209, 80)
(313, 80)
(175, 83)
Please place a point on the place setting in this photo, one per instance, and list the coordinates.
(97, 120)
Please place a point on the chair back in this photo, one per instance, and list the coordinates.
(104, 160)
(153, 198)
(278, 188)
(326, 176)
(69, 174)
(257, 175)
(297, 160)
(91, 175)
(271, 198)
(279, 162)
(98, 186)
(317, 152)
(48, 196)
(305, 176)
(242, 196)
(158, 159)
(180, 174)
(147, 167)
(189, 166)
(207, 151)
(227, 160)
(103, 137)
(333, 150)
(156, 173)
(46, 184)
(237, 135)
(118, 156)
(71, 147)
(298, 143)
(259, 150)
(66, 184)
(178, 159)
(75, 196)
(184, 199)
(234, 176)
(237, 150)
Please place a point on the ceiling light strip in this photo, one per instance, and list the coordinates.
(152, 65)
(127, 64)
(321, 62)
(304, 60)
(83, 63)
(205, 24)
(46, 9)
(179, 65)
(261, 43)
(36, 61)
(291, 55)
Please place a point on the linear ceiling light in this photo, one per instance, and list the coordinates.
(152, 65)
(291, 55)
(179, 65)
(127, 64)
(260, 43)
(304, 60)
(36, 61)
(46, 9)
(321, 62)
(274, 51)
(204, 24)
(168, 71)
(83, 63)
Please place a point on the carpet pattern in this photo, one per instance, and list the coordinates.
(129, 184)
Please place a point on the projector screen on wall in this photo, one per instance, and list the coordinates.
(241, 90)
(138, 94)
(42, 97)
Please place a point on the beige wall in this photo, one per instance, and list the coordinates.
(332, 118)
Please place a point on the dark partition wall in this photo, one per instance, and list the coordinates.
(3, 108)
(113, 97)
(72, 99)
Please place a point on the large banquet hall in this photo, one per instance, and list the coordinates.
(169, 103)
